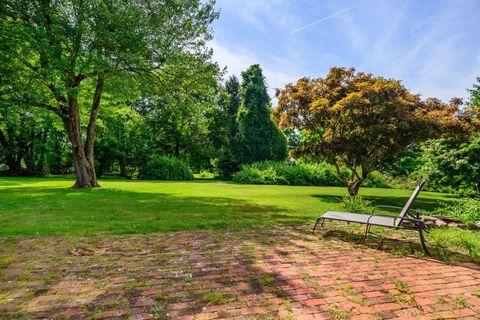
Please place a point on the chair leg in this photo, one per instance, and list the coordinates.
(422, 241)
(316, 223)
(367, 229)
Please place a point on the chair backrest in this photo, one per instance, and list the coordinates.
(410, 202)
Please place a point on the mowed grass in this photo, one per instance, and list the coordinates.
(46, 206)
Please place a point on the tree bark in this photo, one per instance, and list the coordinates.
(353, 185)
(84, 168)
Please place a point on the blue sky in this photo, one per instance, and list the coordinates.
(433, 46)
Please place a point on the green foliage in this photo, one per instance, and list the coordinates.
(404, 164)
(69, 56)
(177, 120)
(465, 241)
(122, 144)
(376, 180)
(450, 168)
(32, 142)
(474, 100)
(226, 163)
(165, 168)
(282, 173)
(223, 128)
(258, 137)
(356, 204)
(467, 210)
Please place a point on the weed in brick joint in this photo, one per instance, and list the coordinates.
(281, 293)
(213, 297)
(157, 311)
(160, 298)
(268, 280)
(338, 313)
(462, 302)
(402, 286)
(287, 304)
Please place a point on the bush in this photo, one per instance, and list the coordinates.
(356, 204)
(165, 168)
(376, 180)
(450, 168)
(467, 210)
(300, 174)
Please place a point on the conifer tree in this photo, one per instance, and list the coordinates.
(257, 138)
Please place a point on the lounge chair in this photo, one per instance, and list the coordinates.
(407, 214)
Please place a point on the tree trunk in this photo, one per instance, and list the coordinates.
(84, 168)
(353, 187)
(14, 165)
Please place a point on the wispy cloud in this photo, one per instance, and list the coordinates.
(237, 61)
(329, 17)
(429, 45)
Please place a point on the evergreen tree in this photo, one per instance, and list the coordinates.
(232, 88)
(258, 138)
(474, 100)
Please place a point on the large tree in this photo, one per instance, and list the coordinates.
(64, 55)
(258, 137)
(355, 120)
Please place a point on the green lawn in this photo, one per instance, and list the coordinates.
(45, 206)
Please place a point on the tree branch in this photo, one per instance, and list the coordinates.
(93, 116)
(339, 173)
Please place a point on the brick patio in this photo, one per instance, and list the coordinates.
(283, 272)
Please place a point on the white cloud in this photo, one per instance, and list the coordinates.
(262, 14)
(238, 60)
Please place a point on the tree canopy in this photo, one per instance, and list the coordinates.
(65, 55)
(357, 120)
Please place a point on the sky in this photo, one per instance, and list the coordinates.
(433, 46)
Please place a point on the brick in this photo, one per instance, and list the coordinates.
(373, 294)
(314, 302)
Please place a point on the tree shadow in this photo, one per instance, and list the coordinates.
(422, 203)
(47, 211)
(269, 272)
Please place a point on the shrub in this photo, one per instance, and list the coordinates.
(300, 174)
(205, 174)
(356, 204)
(450, 168)
(376, 180)
(165, 168)
(467, 210)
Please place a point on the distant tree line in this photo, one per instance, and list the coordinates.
(96, 88)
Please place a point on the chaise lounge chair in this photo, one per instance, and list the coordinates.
(388, 221)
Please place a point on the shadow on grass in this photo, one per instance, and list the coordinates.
(46, 211)
(422, 203)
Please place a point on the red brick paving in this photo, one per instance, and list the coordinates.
(279, 273)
